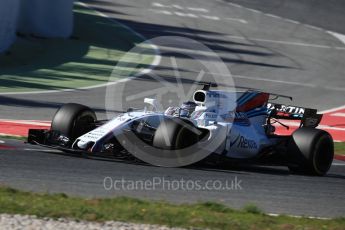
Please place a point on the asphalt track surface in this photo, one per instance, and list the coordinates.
(273, 189)
(269, 51)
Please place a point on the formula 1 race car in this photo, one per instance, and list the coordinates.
(210, 124)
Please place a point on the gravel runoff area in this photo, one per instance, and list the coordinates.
(26, 222)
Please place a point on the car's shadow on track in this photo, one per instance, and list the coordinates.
(217, 167)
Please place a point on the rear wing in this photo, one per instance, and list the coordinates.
(308, 117)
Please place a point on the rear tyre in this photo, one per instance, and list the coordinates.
(73, 120)
(311, 151)
(175, 133)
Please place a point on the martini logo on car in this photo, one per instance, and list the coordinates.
(286, 108)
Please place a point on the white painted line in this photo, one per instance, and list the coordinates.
(157, 4)
(314, 27)
(25, 120)
(291, 21)
(237, 20)
(165, 12)
(6, 134)
(155, 62)
(297, 124)
(44, 150)
(269, 80)
(2, 142)
(340, 37)
(334, 88)
(26, 123)
(177, 7)
(285, 42)
(295, 216)
(197, 9)
(48, 91)
(338, 164)
(216, 18)
(273, 214)
(333, 109)
(181, 14)
(275, 81)
(235, 5)
(338, 114)
(255, 11)
(191, 15)
(273, 16)
(169, 48)
(278, 81)
(331, 128)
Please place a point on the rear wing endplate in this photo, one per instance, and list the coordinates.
(308, 117)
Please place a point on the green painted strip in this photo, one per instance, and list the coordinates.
(87, 59)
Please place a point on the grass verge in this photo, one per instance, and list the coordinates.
(21, 138)
(202, 215)
(86, 59)
(339, 148)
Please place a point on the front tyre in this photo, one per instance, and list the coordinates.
(311, 151)
(73, 120)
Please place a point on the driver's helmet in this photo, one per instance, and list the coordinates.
(187, 108)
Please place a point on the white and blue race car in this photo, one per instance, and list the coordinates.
(211, 124)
